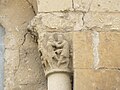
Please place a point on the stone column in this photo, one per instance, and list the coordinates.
(55, 53)
(59, 81)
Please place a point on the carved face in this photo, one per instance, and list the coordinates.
(60, 38)
(51, 39)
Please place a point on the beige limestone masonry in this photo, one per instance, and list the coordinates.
(55, 48)
(59, 21)
(54, 5)
(89, 79)
(97, 5)
(22, 66)
(83, 50)
(102, 20)
(109, 50)
(96, 60)
(94, 27)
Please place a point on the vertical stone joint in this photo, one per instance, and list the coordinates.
(95, 36)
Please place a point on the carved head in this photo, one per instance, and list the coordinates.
(60, 38)
(51, 39)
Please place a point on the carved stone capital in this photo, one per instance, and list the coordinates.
(55, 53)
(54, 47)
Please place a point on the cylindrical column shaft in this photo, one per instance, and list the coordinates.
(59, 81)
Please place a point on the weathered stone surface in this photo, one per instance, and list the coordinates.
(82, 5)
(15, 21)
(56, 52)
(97, 5)
(82, 50)
(29, 63)
(94, 19)
(33, 4)
(29, 68)
(105, 5)
(68, 21)
(25, 65)
(32, 86)
(87, 79)
(13, 40)
(54, 5)
(22, 69)
(11, 64)
(109, 49)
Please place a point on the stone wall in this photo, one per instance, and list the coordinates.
(22, 66)
(94, 26)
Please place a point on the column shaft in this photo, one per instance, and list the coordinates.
(59, 81)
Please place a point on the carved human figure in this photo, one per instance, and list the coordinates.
(50, 47)
(55, 52)
(63, 50)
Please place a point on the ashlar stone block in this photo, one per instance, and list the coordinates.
(54, 5)
(88, 79)
(97, 5)
(57, 22)
(82, 5)
(105, 5)
(83, 51)
(102, 20)
(109, 49)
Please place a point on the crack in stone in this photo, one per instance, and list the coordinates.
(34, 35)
(84, 13)
(31, 6)
(73, 5)
(90, 5)
(24, 39)
(83, 18)
(19, 54)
